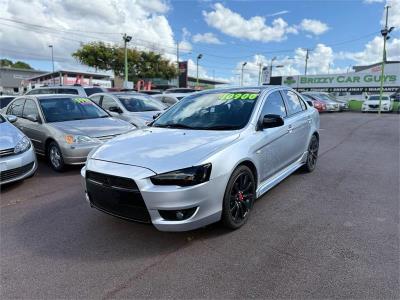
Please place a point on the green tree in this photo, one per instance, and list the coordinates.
(18, 64)
(141, 64)
(21, 65)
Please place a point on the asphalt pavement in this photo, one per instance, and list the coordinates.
(333, 233)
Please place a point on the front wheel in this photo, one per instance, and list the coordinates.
(239, 197)
(55, 158)
(312, 155)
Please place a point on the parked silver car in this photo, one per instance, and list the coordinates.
(83, 91)
(167, 100)
(64, 128)
(17, 156)
(205, 159)
(135, 108)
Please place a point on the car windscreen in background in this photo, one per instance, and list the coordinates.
(4, 101)
(91, 91)
(212, 111)
(67, 91)
(68, 109)
(140, 103)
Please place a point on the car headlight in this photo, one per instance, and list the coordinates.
(79, 139)
(23, 145)
(184, 177)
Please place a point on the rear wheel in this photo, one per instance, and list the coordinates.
(239, 198)
(312, 155)
(55, 158)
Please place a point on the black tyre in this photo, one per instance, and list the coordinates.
(55, 158)
(239, 198)
(312, 155)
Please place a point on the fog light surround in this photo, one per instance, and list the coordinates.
(177, 215)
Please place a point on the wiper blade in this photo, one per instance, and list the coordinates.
(221, 127)
(175, 125)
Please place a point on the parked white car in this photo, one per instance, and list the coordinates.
(372, 104)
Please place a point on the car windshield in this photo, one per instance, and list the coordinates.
(325, 97)
(211, 111)
(93, 90)
(139, 103)
(70, 108)
(377, 97)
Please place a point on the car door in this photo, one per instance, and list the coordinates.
(299, 124)
(271, 145)
(33, 129)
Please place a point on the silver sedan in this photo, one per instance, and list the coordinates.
(207, 158)
(17, 156)
(135, 108)
(64, 128)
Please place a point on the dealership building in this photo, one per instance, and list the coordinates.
(362, 81)
(11, 79)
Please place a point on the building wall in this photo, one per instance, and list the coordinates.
(10, 79)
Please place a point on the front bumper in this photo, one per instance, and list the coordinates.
(205, 199)
(375, 109)
(76, 154)
(17, 167)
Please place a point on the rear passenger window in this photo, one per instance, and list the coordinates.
(295, 105)
(16, 108)
(274, 105)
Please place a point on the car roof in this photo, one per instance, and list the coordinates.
(120, 93)
(53, 96)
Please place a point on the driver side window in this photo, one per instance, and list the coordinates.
(274, 105)
(108, 102)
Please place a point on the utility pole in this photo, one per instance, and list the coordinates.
(307, 57)
(385, 34)
(260, 65)
(241, 76)
(197, 68)
(177, 62)
(126, 39)
(52, 62)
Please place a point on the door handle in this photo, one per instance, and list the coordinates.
(290, 129)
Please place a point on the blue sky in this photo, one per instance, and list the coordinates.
(227, 33)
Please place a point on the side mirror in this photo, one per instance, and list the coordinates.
(156, 116)
(33, 118)
(272, 121)
(12, 119)
(115, 109)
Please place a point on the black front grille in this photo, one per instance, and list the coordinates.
(117, 196)
(7, 152)
(373, 106)
(14, 173)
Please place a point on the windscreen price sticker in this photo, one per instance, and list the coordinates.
(82, 101)
(238, 96)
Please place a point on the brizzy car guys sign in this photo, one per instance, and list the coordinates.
(368, 80)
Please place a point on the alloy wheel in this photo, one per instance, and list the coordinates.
(241, 197)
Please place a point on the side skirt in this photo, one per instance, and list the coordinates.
(278, 177)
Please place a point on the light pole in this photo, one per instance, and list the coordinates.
(197, 68)
(241, 74)
(52, 62)
(385, 34)
(307, 57)
(126, 39)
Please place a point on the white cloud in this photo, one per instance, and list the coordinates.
(314, 26)
(70, 22)
(372, 52)
(255, 28)
(207, 38)
(279, 13)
